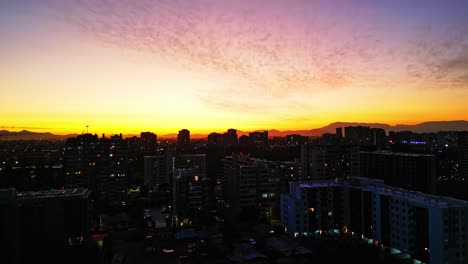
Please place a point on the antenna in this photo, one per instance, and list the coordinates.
(87, 126)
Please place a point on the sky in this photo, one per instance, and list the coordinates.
(207, 65)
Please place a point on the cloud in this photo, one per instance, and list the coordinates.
(276, 49)
(254, 42)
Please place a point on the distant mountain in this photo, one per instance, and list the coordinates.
(434, 126)
(28, 135)
(426, 127)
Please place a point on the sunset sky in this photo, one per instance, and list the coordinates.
(163, 65)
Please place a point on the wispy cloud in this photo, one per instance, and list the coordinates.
(280, 48)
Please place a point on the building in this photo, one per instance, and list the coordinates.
(295, 139)
(81, 157)
(463, 152)
(190, 191)
(155, 170)
(365, 136)
(230, 137)
(9, 226)
(183, 138)
(244, 141)
(215, 140)
(149, 142)
(253, 184)
(97, 164)
(405, 170)
(320, 162)
(259, 139)
(112, 169)
(430, 229)
(359, 135)
(159, 169)
(197, 162)
(45, 226)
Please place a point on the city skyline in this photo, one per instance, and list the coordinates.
(210, 65)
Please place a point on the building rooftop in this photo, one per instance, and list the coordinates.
(80, 192)
(377, 186)
(389, 153)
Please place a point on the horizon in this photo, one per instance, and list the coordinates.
(209, 65)
(204, 134)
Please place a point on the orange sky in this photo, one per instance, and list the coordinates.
(208, 66)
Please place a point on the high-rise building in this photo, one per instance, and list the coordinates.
(190, 191)
(427, 228)
(405, 170)
(155, 170)
(149, 142)
(46, 226)
(183, 138)
(463, 150)
(197, 162)
(359, 135)
(365, 136)
(81, 157)
(230, 137)
(320, 162)
(244, 140)
(259, 139)
(112, 167)
(339, 133)
(9, 226)
(252, 184)
(97, 164)
(295, 139)
(215, 140)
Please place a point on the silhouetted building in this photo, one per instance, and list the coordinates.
(463, 150)
(97, 164)
(112, 169)
(190, 191)
(259, 139)
(252, 184)
(365, 136)
(244, 140)
(320, 162)
(197, 162)
(358, 135)
(215, 140)
(427, 228)
(405, 170)
(379, 138)
(81, 157)
(159, 169)
(48, 226)
(9, 227)
(339, 133)
(149, 142)
(156, 170)
(295, 140)
(183, 138)
(230, 137)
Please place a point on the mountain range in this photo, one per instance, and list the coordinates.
(426, 127)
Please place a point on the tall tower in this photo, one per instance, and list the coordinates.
(183, 138)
